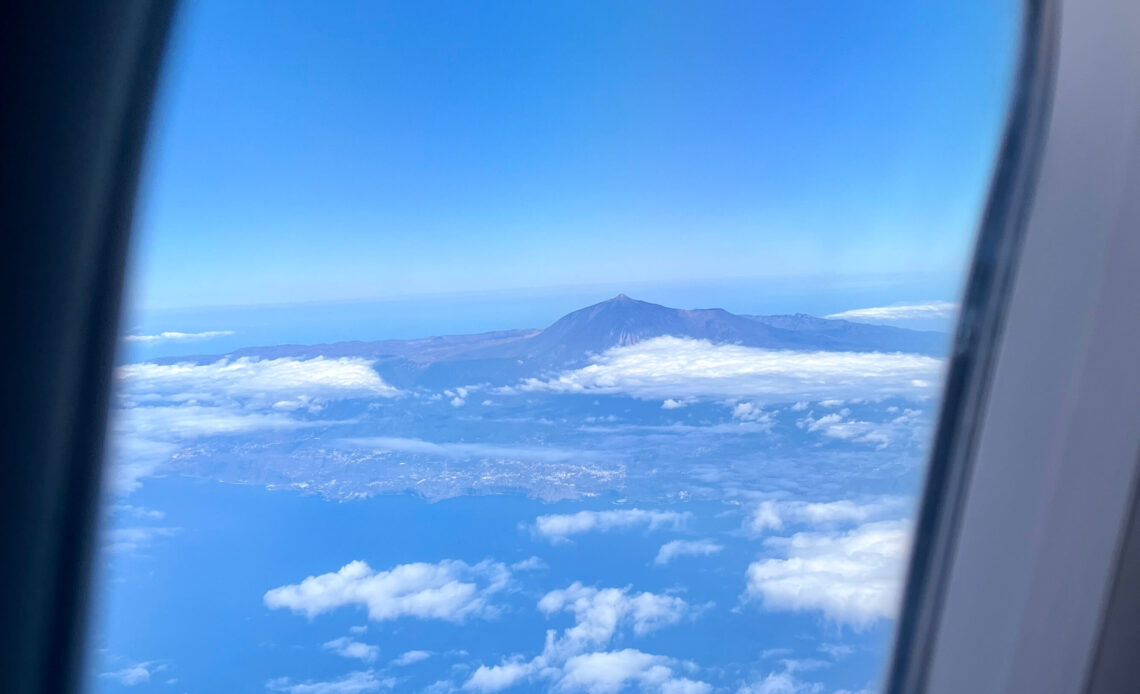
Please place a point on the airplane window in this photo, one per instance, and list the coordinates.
(527, 347)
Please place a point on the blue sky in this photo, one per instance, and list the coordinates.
(315, 152)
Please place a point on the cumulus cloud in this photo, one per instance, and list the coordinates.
(781, 683)
(907, 426)
(171, 336)
(498, 677)
(348, 647)
(451, 590)
(686, 548)
(352, 683)
(772, 515)
(559, 527)
(573, 660)
(411, 657)
(887, 314)
(851, 577)
(262, 381)
(671, 367)
(671, 404)
(611, 672)
(598, 612)
(529, 564)
(751, 412)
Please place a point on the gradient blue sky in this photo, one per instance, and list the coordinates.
(336, 151)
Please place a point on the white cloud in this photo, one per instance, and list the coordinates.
(751, 412)
(410, 657)
(171, 336)
(352, 683)
(598, 612)
(772, 515)
(131, 459)
(529, 564)
(836, 651)
(671, 404)
(259, 381)
(450, 590)
(498, 677)
(161, 405)
(886, 314)
(610, 672)
(187, 421)
(134, 540)
(559, 527)
(671, 367)
(348, 647)
(140, 512)
(132, 675)
(781, 683)
(686, 548)
(852, 577)
(571, 663)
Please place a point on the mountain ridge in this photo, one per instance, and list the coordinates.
(579, 335)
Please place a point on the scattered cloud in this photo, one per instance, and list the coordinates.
(611, 672)
(598, 612)
(133, 541)
(530, 564)
(671, 404)
(410, 657)
(751, 412)
(851, 577)
(171, 336)
(451, 590)
(348, 647)
(836, 651)
(773, 515)
(559, 527)
(572, 662)
(686, 548)
(136, 674)
(498, 677)
(899, 312)
(138, 512)
(352, 683)
(670, 367)
(781, 683)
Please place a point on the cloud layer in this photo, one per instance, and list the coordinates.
(676, 368)
(886, 314)
(263, 381)
(171, 336)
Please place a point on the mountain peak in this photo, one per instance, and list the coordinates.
(621, 297)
